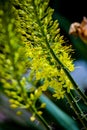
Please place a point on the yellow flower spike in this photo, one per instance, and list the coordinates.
(34, 37)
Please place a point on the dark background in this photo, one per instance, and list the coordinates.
(73, 10)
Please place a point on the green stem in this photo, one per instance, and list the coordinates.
(41, 118)
(81, 116)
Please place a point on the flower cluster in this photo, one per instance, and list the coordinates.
(13, 64)
(39, 31)
(27, 41)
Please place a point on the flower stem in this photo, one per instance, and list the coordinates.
(81, 116)
(41, 118)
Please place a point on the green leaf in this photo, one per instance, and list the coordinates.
(61, 117)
